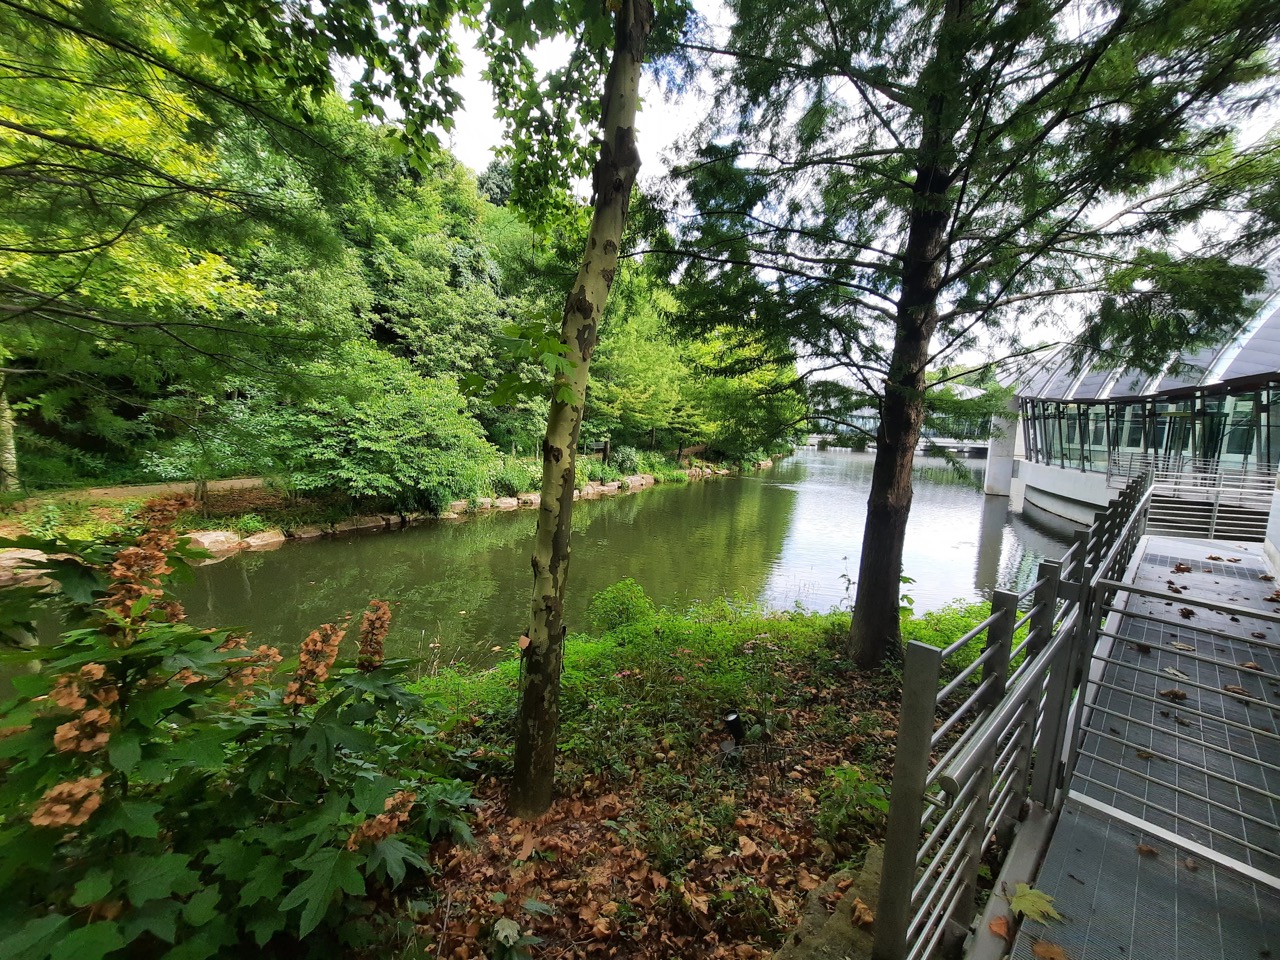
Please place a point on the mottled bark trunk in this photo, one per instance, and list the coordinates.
(875, 634)
(615, 173)
(8, 449)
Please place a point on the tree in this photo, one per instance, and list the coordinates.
(612, 179)
(896, 183)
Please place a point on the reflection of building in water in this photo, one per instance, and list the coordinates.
(1011, 545)
(1077, 432)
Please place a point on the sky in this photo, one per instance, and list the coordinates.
(661, 125)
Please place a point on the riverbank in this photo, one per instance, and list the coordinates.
(246, 515)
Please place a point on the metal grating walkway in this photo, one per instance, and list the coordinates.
(1193, 777)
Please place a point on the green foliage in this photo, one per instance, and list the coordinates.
(623, 604)
(853, 804)
(516, 475)
(598, 471)
(1035, 905)
(387, 434)
(625, 458)
(161, 794)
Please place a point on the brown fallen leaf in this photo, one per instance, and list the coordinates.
(1044, 950)
(1173, 693)
(1266, 576)
(1258, 635)
(1186, 613)
(1182, 568)
(1250, 665)
(1237, 689)
(1142, 647)
(1183, 646)
(862, 915)
(806, 881)
(747, 847)
(526, 851)
(1147, 850)
(1233, 559)
(1146, 755)
(1191, 865)
(1213, 556)
(1000, 927)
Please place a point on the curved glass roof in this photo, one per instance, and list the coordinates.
(1253, 352)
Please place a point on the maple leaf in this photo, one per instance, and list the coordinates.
(1044, 950)
(1000, 927)
(1033, 904)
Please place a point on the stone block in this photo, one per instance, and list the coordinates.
(215, 541)
(459, 506)
(506, 503)
(266, 540)
(309, 532)
(353, 524)
(529, 499)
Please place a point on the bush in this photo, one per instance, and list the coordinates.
(853, 805)
(626, 459)
(515, 476)
(162, 797)
(617, 606)
(600, 472)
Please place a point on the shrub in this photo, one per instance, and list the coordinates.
(600, 472)
(626, 459)
(853, 804)
(620, 605)
(515, 476)
(162, 796)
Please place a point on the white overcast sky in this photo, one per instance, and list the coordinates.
(662, 122)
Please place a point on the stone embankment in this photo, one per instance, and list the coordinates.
(16, 565)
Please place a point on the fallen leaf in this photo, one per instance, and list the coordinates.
(1033, 904)
(1258, 635)
(1233, 559)
(1044, 950)
(1213, 556)
(1146, 755)
(806, 881)
(1147, 850)
(1182, 568)
(1183, 646)
(1266, 576)
(747, 847)
(1250, 665)
(1142, 647)
(526, 851)
(862, 915)
(495, 649)
(1191, 865)
(524, 642)
(1236, 688)
(1000, 927)
(1173, 693)
(1186, 613)
(1173, 672)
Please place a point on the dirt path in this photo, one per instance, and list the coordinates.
(142, 490)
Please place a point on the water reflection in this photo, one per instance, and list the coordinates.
(786, 536)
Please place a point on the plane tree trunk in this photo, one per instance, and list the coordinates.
(543, 649)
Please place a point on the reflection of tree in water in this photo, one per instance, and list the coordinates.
(1014, 544)
(464, 584)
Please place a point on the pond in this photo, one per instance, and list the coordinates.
(785, 536)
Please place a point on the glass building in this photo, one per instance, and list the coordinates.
(1219, 404)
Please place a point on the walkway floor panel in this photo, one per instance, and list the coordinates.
(1172, 761)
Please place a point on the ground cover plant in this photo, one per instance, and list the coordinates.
(668, 839)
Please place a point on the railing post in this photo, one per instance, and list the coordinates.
(1044, 600)
(995, 676)
(906, 799)
(1057, 698)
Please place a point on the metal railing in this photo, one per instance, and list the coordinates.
(1210, 499)
(973, 749)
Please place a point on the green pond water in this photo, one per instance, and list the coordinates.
(783, 537)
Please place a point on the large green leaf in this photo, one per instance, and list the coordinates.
(328, 872)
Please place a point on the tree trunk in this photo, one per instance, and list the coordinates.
(542, 656)
(8, 449)
(875, 635)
